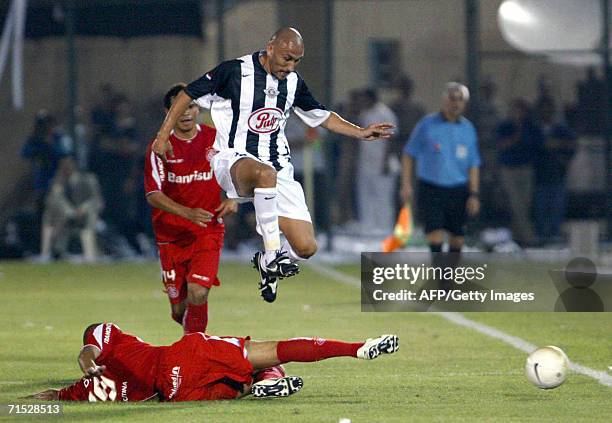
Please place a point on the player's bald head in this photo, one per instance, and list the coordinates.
(283, 52)
(287, 36)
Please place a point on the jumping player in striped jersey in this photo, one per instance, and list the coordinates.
(250, 99)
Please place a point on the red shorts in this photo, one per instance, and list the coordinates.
(202, 367)
(194, 260)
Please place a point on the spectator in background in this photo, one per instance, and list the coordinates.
(491, 112)
(73, 203)
(45, 148)
(306, 147)
(116, 152)
(408, 113)
(348, 156)
(375, 180)
(591, 101)
(551, 164)
(545, 92)
(82, 142)
(444, 146)
(518, 140)
(103, 113)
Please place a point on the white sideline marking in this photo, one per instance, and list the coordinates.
(461, 320)
(520, 344)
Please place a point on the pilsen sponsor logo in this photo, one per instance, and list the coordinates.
(266, 120)
(187, 179)
(176, 381)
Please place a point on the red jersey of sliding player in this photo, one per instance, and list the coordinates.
(197, 367)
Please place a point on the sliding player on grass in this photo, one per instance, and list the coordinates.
(121, 367)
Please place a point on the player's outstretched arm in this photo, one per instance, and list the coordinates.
(161, 201)
(162, 144)
(87, 361)
(375, 131)
(47, 395)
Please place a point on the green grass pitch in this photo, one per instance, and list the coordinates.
(441, 372)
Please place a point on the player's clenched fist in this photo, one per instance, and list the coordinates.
(94, 371)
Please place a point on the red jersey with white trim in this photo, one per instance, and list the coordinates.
(131, 368)
(203, 367)
(186, 178)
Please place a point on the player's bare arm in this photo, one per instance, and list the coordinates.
(226, 207)
(87, 361)
(375, 131)
(46, 395)
(196, 215)
(162, 145)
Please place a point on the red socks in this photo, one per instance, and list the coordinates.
(195, 318)
(314, 349)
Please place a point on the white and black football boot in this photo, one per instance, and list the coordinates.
(279, 268)
(282, 387)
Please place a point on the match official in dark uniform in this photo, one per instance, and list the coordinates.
(444, 146)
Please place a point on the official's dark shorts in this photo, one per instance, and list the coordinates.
(442, 208)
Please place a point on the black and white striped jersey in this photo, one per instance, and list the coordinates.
(250, 107)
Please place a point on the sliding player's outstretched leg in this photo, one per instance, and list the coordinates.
(266, 354)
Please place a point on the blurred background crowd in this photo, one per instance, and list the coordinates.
(79, 190)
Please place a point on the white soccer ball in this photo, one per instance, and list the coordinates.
(547, 367)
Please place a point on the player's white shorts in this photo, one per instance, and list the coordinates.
(291, 202)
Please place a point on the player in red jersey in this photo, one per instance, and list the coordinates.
(122, 367)
(187, 216)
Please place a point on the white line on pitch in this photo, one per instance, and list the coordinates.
(461, 320)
